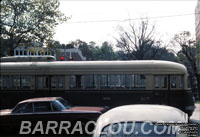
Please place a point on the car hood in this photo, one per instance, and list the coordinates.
(86, 109)
(5, 112)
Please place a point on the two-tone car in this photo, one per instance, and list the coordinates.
(47, 112)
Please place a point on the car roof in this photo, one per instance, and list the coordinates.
(153, 113)
(39, 99)
(141, 113)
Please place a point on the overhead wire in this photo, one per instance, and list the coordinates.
(130, 19)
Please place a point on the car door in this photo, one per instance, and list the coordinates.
(43, 111)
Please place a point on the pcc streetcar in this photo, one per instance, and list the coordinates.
(97, 83)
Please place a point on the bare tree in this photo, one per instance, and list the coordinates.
(188, 49)
(138, 41)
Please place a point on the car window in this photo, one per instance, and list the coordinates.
(28, 108)
(42, 107)
(55, 106)
(64, 103)
(18, 107)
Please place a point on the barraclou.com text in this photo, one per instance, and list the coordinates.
(54, 127)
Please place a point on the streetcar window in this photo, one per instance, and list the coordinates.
(90, 81)
(181, 81)
(5, 81)
(53, 82)
(157, 82)
(160, 81)
(111, 81)
(115, 81)
(1, 81)
(104, 81)
(16, 82)
(25, 82)
(126, 81)
(11, 82)
(72, 81)
(57, 82)
(120, 81)
(138, 81)
(60, 80)
(42, 82)
(76, 81)
(173, 81)
(164, 81)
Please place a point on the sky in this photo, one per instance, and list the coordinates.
(99, 21)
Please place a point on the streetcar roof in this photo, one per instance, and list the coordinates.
(97, 66)
(141, 113)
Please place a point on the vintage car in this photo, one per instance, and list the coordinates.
(43, 110)
(141, 121)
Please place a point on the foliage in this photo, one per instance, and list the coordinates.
(94, 52)
(106, 52)
(25, 21)
(188, 54)
(53, 45)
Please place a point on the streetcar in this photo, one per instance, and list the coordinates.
(97, 83)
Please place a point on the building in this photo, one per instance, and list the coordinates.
(32, 51)
(197, 30)
(70, 54)
(65, 54)
(197, 21)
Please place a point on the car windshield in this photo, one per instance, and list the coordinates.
(63, 104)
(137, 129)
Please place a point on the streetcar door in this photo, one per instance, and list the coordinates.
(42, 82)
(161, 89)
(176, 86)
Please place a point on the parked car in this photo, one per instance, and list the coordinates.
(45, 109)
(141, 121)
